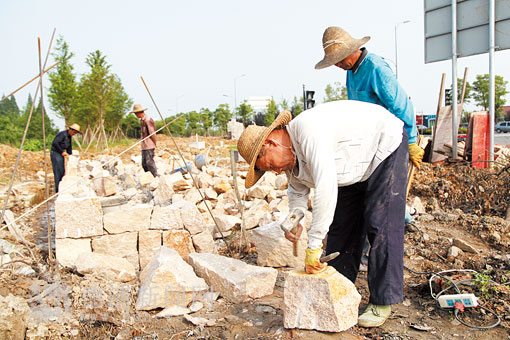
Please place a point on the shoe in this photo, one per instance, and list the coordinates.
(363, 266)
(374, 315)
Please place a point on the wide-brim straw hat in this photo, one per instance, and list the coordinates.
(76, 128)
(251, 140)
(138, 108)
(338, 44)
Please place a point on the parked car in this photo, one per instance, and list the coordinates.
(421, 127)
(502, 127)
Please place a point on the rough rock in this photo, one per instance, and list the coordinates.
(221, 186)
(68, 249)
(122, 245)
(191, 217)
(257, 211)
(259, 191)
(179, 240)
(464, 246)
(128, 218)
(168, 280)
(281, 182)
(14, 314)
(453, 252)
(105, 186)
(78, 217)
(227, 222)
(145, 178)
(274, 250)
(335, 301)
(204, 242)
(149, 242)
(167, 218)
(105, 266)
(235, 280)
(164, 192)
(417, 205)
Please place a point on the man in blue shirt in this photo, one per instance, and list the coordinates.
(370, 79)
(62, 147)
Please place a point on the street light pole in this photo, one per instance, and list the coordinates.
(396, 49)
(235, 89)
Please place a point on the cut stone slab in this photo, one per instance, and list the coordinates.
(105, 266)
(78, 217)
(128, 218)
(326, 302)
(235, 280)
(14, 317)
(179, 240)
(168, 280)
(149, 242)
(204, 242)
(191, 217)
(122, 245)
(167, 218)
(68, 249)
(274, 250)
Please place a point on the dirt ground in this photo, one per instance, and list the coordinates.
(460, 203)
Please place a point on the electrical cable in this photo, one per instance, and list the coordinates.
(453, 285)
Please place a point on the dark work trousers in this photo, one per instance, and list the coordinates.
(374, 208)
(148, 163)
(59, 168)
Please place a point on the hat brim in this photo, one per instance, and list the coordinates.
(254, 175)
(138, 111)
(77, 131)
(332, 59)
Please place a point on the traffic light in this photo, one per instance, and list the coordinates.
(309, 99)
(447, 97)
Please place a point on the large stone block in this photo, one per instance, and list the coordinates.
(128, 218)
(105, 266)
(325, 302)
(122, 245)
(191, 217)
(274, 250)
(235, 280)
(68, 249)
(149, 242)
(167, 218)
(179, 240)
(78, 217)
(168, 280)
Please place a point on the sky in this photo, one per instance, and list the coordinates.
(199, 54)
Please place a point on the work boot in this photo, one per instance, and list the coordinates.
(374, 315)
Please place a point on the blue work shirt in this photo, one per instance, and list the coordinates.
(374, 82)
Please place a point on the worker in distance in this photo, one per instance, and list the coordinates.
(353, 154)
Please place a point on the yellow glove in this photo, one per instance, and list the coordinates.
(416, 154)
(312, 263)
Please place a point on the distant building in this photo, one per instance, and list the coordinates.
(259, 103)
(426, 120)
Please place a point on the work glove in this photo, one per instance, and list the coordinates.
(416, 154)
(312, 263)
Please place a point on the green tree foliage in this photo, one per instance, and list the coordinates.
(468, 95)
(284, 104)
(206, 119)
(480, 92)
(62, 92)
(193, 122)
(131, 126)
(335, 92)
(245, 112)
(177, 128)
(10, 122)
(297, 106)
(35, 130)
(272, 108)
(221, 116)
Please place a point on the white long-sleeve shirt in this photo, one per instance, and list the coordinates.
(337, 144)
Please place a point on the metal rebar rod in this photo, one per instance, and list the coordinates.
(192, 177)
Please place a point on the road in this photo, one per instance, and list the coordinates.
(502, 138)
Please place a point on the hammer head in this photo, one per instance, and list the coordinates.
(292, 220)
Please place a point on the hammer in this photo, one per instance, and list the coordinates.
(290, 224)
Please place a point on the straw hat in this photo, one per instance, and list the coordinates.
(250, 143)
(76, 128)
(138, 108)
(337, 45)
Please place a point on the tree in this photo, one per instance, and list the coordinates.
(221, 116)
(245, 111)
(192, 119)
(272, 108)
(206, 119)
(297, 106)
(480, 92)
(9, 108)
(335, 92)
(259, 118)
(62, 91)
(178, 127)
(10, 122)
(131, 126)
(284, 104)
(100, 96)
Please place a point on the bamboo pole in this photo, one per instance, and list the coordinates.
(28, 82)
(192, 177)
